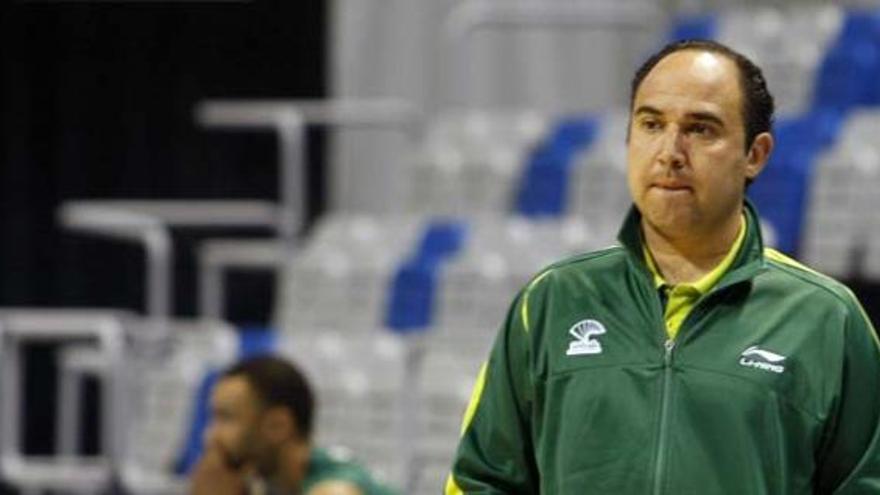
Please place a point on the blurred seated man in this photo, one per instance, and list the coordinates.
(258, 441)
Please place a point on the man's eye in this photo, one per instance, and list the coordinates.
(650, 125)
(700, 129)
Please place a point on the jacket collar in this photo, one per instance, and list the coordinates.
(748, 262)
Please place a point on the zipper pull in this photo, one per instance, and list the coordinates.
(669, 345)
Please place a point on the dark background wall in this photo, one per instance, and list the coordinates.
(96, 101)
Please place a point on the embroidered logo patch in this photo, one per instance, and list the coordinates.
(584, 342)
(755, 357)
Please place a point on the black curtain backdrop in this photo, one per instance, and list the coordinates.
(96, 101)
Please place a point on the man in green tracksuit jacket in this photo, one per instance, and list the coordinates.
(690, 359)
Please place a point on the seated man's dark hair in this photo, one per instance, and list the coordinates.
(277, 382)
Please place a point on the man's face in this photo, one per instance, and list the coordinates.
(687, 163)
(236, 417)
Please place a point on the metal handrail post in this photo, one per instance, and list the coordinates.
(10, 383)
(217, 255)
(75, 364)
(18, 327)
(159, 282)
(143, 229)
(212, 288)
(292, 154)
(469, 17)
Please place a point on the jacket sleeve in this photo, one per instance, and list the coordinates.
(495, 453)
(851, 462)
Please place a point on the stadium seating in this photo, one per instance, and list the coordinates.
(358, 379)
(840, 236)
(470, 160)
(447, 381)
(788, 44)
(346, 263)
(600, 194)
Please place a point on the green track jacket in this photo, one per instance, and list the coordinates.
(772, 385)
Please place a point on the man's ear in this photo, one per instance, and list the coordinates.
(759, 154)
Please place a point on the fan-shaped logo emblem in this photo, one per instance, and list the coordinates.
(583, 333)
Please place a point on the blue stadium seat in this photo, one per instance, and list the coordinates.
(543, 188)
(847, 76)
(698, 27)
(413, 289)
(781, 190)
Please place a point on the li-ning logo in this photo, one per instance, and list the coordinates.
(763, 360)
(583, 333)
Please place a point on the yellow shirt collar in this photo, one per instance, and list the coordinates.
(710, 279)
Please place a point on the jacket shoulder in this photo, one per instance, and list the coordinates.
(593, 260)
(570, 269)
(799, 276)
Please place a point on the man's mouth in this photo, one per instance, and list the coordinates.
(672, 186)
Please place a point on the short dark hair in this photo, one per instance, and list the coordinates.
(758, 106)
(278, 382)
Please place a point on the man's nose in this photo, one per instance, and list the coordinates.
(672, 152)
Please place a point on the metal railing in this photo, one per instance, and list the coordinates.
(290, 120)
(103, 331)
(217, 255)
(149, 223)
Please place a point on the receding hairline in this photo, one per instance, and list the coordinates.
(729, 58)
(739, 75)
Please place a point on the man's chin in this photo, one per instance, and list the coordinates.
(671, 202)
(672, 222)
(237, 462)
(686, 228)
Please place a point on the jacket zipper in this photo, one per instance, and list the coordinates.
(660, 466)
(668, 348)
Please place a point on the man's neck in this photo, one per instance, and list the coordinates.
(688, 258)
